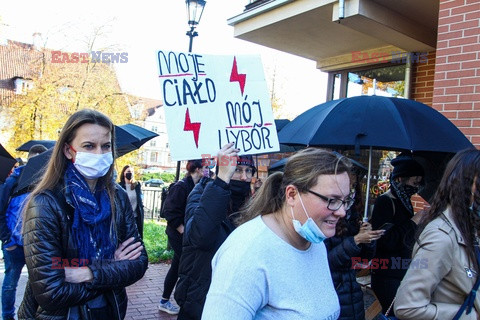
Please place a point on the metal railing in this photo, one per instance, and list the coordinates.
(152, 202)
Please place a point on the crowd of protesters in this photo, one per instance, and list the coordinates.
(285, 250)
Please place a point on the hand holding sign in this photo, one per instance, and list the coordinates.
(227, 162)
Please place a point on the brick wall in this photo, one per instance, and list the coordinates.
(422, 80)
(457, 71)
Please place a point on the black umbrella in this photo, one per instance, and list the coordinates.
(376, 122)
(27, 145)
(33, 171)
(128, 137)
(6, 163)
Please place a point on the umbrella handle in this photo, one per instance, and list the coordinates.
(365, 213)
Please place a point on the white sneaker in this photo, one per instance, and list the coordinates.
(168, 307)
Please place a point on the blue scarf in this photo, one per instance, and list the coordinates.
(91, 228)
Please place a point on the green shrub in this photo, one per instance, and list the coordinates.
(169, 177)
(165, 176)
(155, 241)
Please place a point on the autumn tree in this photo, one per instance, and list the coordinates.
(60, 89)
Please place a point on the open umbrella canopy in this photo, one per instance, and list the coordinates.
(381, 123)
(129, 137)
(27, 145)
(6, 163)
(374, 121)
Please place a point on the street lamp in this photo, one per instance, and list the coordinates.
(195, 11)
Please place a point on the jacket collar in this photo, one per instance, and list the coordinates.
(448, 217)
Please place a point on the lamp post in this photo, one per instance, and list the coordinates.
(195, 11)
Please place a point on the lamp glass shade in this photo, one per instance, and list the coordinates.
(195, 10)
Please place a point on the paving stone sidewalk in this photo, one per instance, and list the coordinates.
(143, 296)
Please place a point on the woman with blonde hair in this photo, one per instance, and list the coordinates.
(81, 243)
(134, 192)
(274, 265)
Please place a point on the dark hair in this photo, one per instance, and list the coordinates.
(455, 191)
(36, 149)
(122, 177)
(301, 170)
(193, 165)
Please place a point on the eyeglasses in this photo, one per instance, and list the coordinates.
(248, 172)
(335, 203)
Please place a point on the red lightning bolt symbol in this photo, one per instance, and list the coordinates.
(192, 126)
(234, 76)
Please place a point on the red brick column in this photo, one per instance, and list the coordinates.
(422, 80)
(457, 71)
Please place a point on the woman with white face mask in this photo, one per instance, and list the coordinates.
(81, 242)
(274, 266)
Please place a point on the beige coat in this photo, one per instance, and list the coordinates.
(439, 277)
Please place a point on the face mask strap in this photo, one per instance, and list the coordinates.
(291, 210)
(71, 147)
(303, 206)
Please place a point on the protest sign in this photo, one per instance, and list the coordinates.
(212, 100)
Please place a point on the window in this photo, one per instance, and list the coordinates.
(386, 80)
(22, 85)
(154, 128)
(154, 157)
(153, 143)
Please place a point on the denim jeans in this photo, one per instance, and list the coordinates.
(14, 262)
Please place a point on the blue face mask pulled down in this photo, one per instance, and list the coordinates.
(309, 230)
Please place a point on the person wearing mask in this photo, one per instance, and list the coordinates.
(81, 243)
(445, 261)
(275, 265)
(11, 206)
(134, 192)
(208, 221)
(174, 211)
(353, 242)
(394, 248)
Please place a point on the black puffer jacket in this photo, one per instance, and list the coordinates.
(47, 237)
(176, 203)
(341, 250)
(206, 227)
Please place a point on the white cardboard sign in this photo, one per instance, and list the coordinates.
(211, 100)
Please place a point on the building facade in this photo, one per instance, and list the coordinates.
(425, 50)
